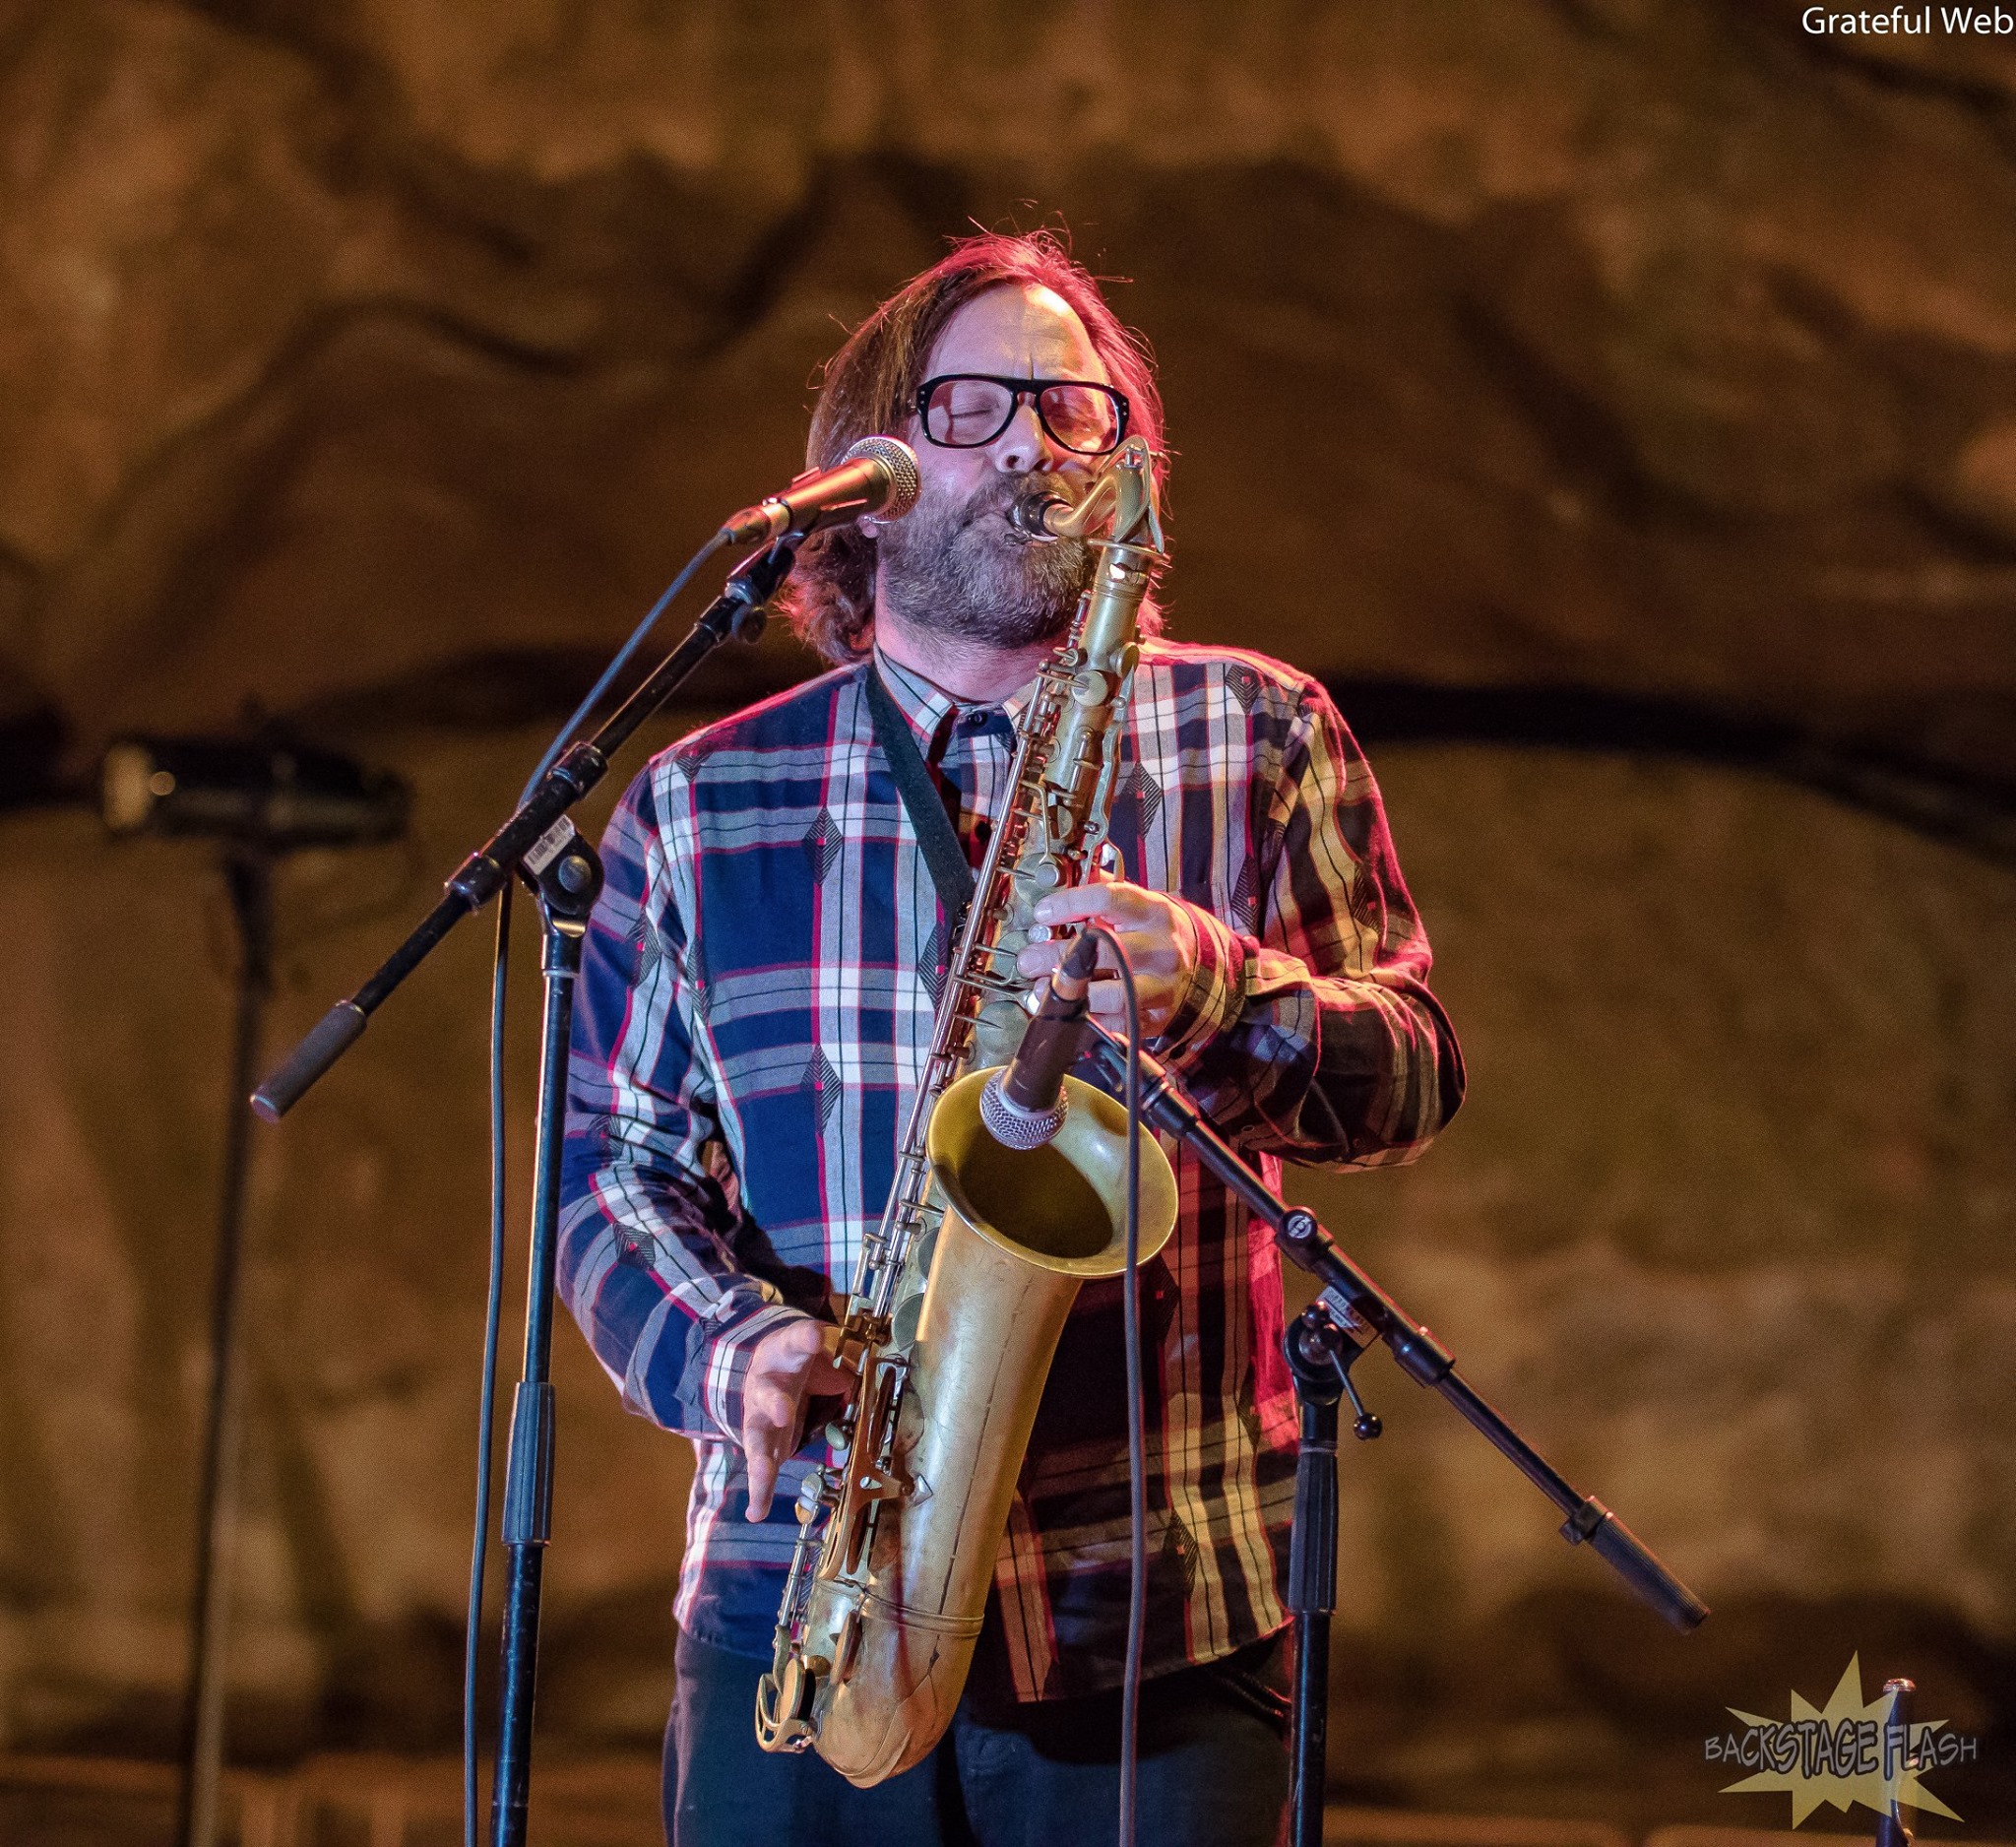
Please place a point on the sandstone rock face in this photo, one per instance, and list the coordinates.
(376, 363)
(1656, 346)
(1724, 1229)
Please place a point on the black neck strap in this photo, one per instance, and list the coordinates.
(937, 835)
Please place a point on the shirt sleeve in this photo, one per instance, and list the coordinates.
(647, 1259)
(1318, 1039)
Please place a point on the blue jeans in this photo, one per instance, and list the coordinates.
(1213, 1770)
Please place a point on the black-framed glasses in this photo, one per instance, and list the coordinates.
(968, 410)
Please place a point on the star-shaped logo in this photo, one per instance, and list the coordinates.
(1841, 1754)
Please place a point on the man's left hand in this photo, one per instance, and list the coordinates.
(1154, 929)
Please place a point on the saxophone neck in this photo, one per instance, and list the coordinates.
(1120, 509)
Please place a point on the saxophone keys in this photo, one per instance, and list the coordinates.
(1093, 686)
(1002, 1015)
(871, 1481)
(853, 1347)
(783, 1705)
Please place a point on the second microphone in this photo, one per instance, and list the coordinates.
(1024, 1106)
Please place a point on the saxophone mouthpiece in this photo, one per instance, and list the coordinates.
(1031, 515)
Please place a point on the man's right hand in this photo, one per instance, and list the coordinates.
(790, 1363)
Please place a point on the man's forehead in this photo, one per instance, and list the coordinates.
(1018, 327)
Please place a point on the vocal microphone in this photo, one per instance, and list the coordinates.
(1024, 1106)
(878, 476)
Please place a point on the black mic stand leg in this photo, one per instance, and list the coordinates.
(1312, 1565)
(1320, 1356)
(567, 890)
(248, 872)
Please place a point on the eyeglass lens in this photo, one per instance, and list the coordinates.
(969, 413)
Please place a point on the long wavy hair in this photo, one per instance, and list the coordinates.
(869, 388)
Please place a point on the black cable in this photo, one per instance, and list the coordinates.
(621, 660)
(493, 1301)
(1137, 1440)
(500, 981)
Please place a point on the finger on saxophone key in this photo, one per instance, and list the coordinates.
(789, 1363)
(767, 1412)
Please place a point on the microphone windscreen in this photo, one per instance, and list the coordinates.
(1015, 1126)
(901, 460)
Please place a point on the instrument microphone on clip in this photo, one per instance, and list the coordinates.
(878, 476)
(1024, 1106)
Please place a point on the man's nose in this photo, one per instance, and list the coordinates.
(1025, 446)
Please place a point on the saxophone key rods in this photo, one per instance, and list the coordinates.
(962, 1293)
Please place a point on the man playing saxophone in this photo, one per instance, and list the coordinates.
(757, 1003)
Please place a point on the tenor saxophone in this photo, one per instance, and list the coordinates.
(962, 1292)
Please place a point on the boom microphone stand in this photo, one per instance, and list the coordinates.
(539, 846)
(1322, 1346)
(262, 800)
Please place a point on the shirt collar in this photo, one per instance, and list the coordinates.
(928, 705)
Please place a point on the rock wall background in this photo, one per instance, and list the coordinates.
(377, 364)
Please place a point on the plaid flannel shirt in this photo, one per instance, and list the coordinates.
(755, 1009)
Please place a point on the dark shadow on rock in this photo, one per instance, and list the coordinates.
(502, 688)
(1953, 802)
(32, 766)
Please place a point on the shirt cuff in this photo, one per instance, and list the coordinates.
(1217, 994)
(718, 1365)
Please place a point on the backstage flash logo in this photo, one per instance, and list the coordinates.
(1841, 1754)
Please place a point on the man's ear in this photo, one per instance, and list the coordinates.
(869, 526)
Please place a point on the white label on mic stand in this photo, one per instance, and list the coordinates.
(548, 847)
